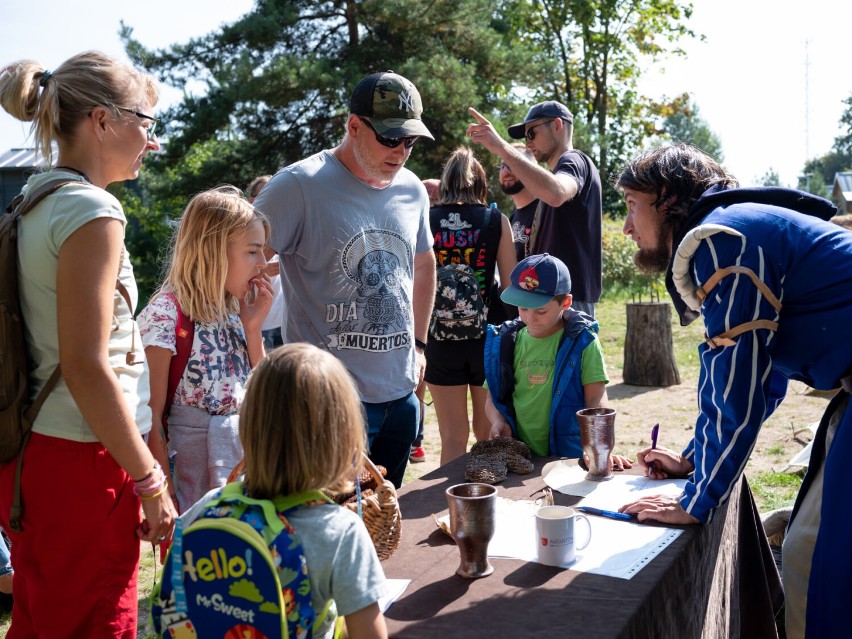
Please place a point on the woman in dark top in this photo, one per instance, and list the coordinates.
(466, 231)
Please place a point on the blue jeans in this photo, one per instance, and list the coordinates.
(272, 338)
(391, 428)
(5, 559)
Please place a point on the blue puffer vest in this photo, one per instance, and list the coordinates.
(568, 395)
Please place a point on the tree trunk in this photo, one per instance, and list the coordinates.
(648, 351)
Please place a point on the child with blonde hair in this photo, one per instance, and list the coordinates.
(202, 337)
(302, 429)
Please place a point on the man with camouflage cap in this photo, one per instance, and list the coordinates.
(352, 228)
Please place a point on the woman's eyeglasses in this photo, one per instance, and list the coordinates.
(154, 121)
(529, 134)
(391, 143)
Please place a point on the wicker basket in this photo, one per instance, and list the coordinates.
(379, 511)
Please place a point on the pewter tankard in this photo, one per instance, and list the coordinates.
(472, 520)
(597, 437)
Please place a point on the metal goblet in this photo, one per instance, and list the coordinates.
(472, 521)
(597, 437)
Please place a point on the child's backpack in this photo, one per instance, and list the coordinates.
(237, 571)
(459, 312)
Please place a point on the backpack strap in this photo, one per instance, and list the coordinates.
(489, 217)
(726, 338)
(184, 335)
(19, 207)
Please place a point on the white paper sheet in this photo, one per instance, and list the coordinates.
(395, 589)
(568, 478)
(616, 549)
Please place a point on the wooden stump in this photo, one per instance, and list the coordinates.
(648, 352)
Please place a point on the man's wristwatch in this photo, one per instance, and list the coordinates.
(419, 343)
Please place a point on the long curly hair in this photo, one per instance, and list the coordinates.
(677, 175)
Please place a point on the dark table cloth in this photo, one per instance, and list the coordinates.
(713, 581)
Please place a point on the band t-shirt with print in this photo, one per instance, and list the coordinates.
(347, 251)
(522, 221)
(535, 359)
(215, 376)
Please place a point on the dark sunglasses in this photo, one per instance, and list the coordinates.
(529, 134)
(154, 121)
(391, 143)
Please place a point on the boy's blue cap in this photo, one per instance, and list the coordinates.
(536, 280)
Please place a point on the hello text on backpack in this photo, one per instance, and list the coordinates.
(238, 571)
(17, 414)
(460, 311)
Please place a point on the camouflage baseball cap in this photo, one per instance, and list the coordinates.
(391, 104)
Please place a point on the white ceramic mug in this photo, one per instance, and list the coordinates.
(554, 529)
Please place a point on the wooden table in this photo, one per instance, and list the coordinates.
(713, 581)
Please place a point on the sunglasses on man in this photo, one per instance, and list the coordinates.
(391, 143)
(530, 133)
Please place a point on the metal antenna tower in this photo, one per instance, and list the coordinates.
(807, 100)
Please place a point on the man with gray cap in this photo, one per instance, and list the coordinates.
(568, 221)
(351, 226)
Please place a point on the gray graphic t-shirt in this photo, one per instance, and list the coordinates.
(347, 250)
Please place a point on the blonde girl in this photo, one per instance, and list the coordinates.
(301, 427)
(86, 464)
(215, 279)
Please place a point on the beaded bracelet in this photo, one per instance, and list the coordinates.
(153, 483)
(154, 495)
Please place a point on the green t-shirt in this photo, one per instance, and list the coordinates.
(535, 360)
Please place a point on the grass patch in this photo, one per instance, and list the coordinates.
(776, 451)
(611, 314)
(773, 490)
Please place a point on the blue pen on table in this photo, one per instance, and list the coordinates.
(654, 432)
(610, 514)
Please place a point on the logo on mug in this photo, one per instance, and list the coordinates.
(558, 541)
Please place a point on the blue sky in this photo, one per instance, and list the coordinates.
(748, 78)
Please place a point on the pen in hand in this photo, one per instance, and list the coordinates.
(610, 514)
(654, 432)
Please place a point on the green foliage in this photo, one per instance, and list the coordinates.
(770, 178)
(277, 81)
(146, 236)
(589, 54)
(682, 123)
(815, 183)
(620, 276)
(837, 160)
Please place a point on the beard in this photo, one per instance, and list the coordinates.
(372, 167)
(652, 261)
(512, 189)
(655, 260)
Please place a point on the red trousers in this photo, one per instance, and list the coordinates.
(77, 560)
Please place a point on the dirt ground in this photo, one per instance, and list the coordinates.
(640, 407)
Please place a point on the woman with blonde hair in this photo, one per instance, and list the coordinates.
(466, 231)
(86, 465)
(215, 298)
(302, 428)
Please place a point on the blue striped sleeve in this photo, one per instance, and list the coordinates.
(737, 389)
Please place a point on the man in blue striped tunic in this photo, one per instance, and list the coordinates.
(772, 280)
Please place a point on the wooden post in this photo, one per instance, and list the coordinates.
(648, 351)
